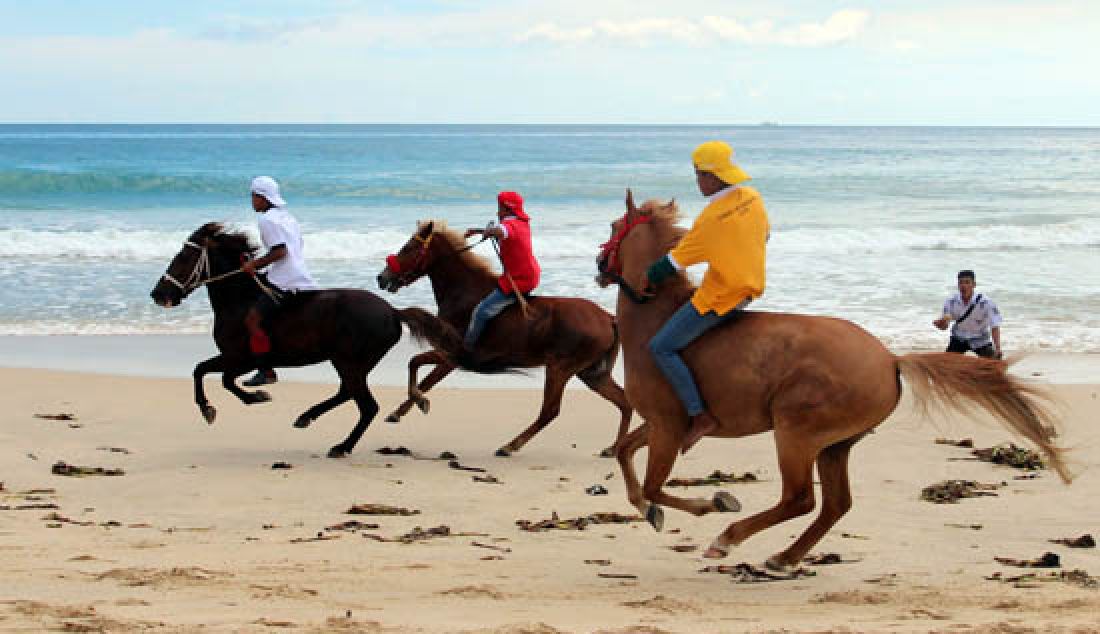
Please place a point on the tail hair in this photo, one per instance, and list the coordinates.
(953, 381)
(427, 328)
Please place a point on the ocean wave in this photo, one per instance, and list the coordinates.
(570, 242)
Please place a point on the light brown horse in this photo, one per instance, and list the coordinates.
(820, 383)
(566, 335)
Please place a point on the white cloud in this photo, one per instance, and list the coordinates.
(839, 27)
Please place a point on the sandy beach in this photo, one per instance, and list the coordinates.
(201, 534)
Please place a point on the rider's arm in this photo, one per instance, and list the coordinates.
(497, 232)
(276, 253)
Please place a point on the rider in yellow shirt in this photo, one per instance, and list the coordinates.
(731, 237)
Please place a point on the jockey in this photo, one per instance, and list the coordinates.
(287, 272)
(521, 269)
(730, 235)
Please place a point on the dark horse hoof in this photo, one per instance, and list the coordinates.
(209, 413)
(726, 503)
(338, 452)
(656, 517)
(260, 396)
(502, 453)
(303, 422)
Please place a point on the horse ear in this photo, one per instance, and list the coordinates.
(630, 206)
(426, 228)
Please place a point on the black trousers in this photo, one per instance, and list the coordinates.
(962, 347)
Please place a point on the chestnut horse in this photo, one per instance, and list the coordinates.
(820, 383)
(351, 328)
(568, 336)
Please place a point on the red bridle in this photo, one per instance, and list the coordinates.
(419, 265)
(609, 251)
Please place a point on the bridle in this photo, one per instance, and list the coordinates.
(201, 273)
(421, 264)
(608, 262)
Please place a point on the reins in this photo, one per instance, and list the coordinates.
(202, 265)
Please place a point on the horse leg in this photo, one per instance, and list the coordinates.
(836, 499)
(229, 382)
(552, 388)
(796, 466)
(354, 380)
(416, 392)
(664, 447)
(318, 410)
(606, 387)
(213, 364)
(629, 446)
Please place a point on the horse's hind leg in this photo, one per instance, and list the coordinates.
(306, 419)
(606, 387)
(556, 378)
(796, 465)
(630, 445)
(664, 446)
(836, 499)
(416, 392)
(353, 379)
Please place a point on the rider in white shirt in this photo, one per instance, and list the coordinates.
(287, 272)
(977, 320)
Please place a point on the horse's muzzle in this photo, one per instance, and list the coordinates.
(387, 281)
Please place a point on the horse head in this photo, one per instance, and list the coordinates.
(207, 253)
(638, 238)
(414, 259)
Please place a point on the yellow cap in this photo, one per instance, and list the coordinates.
(716, 157)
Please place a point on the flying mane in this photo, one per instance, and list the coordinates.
(457, 241)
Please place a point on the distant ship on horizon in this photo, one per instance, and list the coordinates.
(768, 124)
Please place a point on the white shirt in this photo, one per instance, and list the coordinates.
(277, 227)
(976, 328)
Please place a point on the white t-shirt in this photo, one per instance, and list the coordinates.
(976, 328)
(277, 227)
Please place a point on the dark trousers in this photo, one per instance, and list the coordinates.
(961, 346)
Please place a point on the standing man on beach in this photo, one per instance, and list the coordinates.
(977, 320)
(287, 272)
(731, 236)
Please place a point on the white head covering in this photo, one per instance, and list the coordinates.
(269, 189)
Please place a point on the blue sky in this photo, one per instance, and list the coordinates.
(996, 62)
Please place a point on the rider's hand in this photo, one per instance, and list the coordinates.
(249, 266)
(940, 323)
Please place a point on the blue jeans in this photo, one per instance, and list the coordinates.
(685, 325)
(493, 304)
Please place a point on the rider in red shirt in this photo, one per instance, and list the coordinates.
(521, 269)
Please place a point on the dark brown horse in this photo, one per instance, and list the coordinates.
(351, 328)
(820, 383)
(568, 336)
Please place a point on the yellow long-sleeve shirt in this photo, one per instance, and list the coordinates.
(731, 236)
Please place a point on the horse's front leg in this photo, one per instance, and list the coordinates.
(416, 392)
(229, 382)
(213, 364)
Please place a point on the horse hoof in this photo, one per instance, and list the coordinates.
(776, 565)
(338, 452)
(260, 396)
(726, 503)
(393, 418)
(422, 404)
(608, 453)
(303, 422)
(502, 453)
(656, 517)
(209, 413)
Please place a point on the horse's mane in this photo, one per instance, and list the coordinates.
(665, 216)
(457, 241)
(238, 241)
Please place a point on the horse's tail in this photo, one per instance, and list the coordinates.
(954, 381)
(426, 327)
